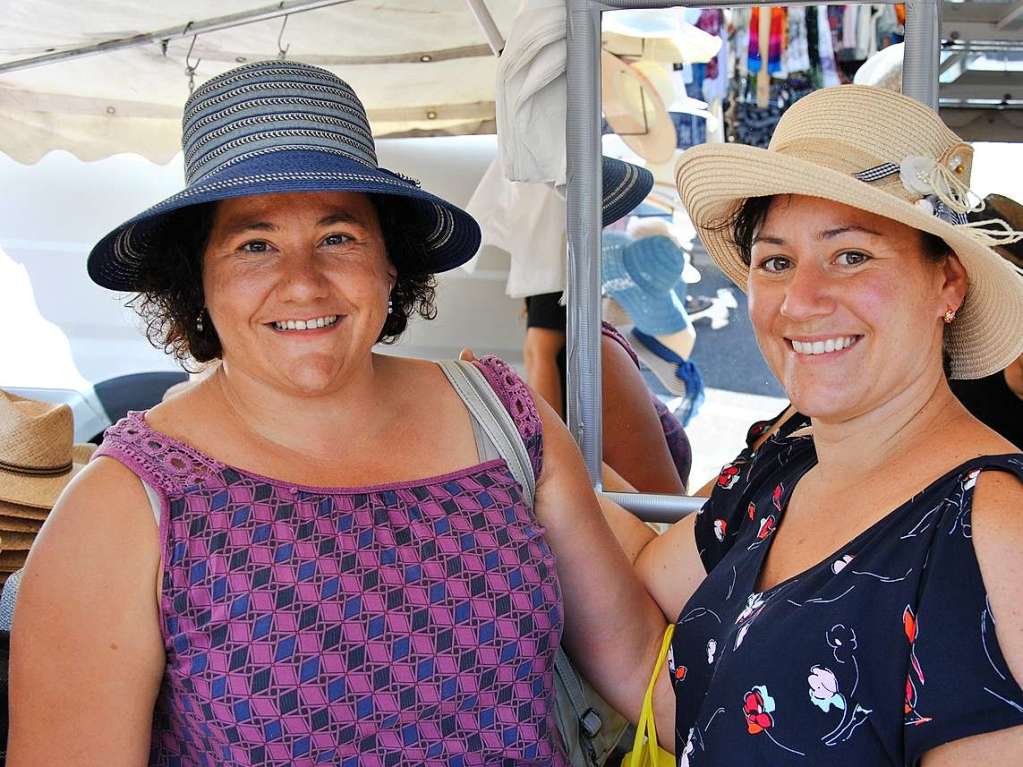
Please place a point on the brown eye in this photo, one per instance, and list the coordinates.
(255, 246)
(775, 264)
(852, 258)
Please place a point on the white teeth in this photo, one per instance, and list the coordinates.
(318, 322)
(823, 347)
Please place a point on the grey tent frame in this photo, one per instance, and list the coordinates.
(919, 80)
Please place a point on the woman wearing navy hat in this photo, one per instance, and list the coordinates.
(315, 555)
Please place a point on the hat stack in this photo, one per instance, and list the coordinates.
(37, 460)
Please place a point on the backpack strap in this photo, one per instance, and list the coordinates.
(489, 412)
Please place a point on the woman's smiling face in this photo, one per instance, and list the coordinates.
(297, 286)
(847, 306)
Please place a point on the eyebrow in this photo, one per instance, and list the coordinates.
(827, 234)
(341, 217)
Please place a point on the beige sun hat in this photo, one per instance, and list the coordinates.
(635, 111)
(37, 454)
(887, 154)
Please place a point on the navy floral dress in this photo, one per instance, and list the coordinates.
(882, 651)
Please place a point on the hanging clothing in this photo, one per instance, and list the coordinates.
(797, 53)
(825, 51)
(531, 95)
(528, 222)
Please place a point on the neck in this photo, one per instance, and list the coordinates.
(304, 425)
(1014, 377)
(857, 447)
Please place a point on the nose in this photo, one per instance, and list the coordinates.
(302, 278)
(807, 293)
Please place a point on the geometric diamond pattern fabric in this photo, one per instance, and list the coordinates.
(408, 624)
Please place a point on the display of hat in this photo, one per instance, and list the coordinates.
(635, 111)
(641, 275)
(654, 26)
(37, 454)
(623, 187)
(883, 69)
(270, 127)
(887, 154)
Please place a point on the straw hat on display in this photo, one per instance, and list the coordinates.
(635, 111)
(886, 154)
(37, 460)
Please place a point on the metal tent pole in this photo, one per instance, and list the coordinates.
(487, 25)
(923, 51)
(583, 231)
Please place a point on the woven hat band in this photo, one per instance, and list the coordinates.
(36, 471)
(847, 159)
(34, 436)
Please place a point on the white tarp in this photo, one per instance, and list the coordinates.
(421, 68)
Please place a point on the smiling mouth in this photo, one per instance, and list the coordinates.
(314, 323)
(823, 346)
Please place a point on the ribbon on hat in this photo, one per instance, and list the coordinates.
(945, 196)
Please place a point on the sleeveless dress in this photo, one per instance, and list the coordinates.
(880, 652)
(413, 623)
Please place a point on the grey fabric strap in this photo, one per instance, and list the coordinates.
(489, 412)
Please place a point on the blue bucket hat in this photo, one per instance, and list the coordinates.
(641, 276)
(278, 126)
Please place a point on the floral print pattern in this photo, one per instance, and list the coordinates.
(815, 669)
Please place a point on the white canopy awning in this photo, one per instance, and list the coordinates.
(421, 68)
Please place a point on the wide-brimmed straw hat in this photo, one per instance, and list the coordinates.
(37, 457)
(635, 111)
(887, 154)
(270, 127)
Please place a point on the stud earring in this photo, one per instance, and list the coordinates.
(949, 316)
(199, 327)
(390, 306)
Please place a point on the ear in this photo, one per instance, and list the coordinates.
(955, 282)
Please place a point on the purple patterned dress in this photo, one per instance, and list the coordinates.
(400, 624)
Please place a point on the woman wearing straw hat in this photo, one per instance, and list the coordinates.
(343, 566)
(849, 593)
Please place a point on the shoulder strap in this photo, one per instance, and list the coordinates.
(489, 412)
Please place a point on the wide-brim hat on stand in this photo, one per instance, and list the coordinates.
(640, 275)
(635, 111)
(271, 127)
(886, 154)
(37, 455)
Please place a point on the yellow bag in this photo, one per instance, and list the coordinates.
(645, 750)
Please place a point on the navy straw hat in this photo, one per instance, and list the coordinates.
(278, 126)
(623, 187)
(641, 276)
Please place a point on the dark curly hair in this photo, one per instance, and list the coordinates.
(170, 295)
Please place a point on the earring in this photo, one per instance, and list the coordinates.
(198, 321)
(390, 306)
(949, 316)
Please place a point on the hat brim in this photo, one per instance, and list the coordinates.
(39, 493)
(450, 235)
(714, 179)
(623, 187)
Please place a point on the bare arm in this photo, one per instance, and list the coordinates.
(613, 628)
(540, 355)
(86, 652)
(997, 539)
(634, 441)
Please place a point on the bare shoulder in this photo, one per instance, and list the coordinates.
(102, 522)
(997, 522)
